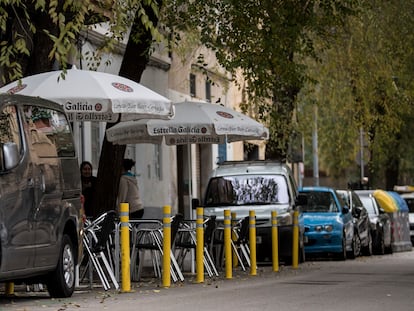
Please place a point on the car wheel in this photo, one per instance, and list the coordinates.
(302, 256)
(356, 247)
(381, 243)
(368, 248)
(342, 254)
(61, 282)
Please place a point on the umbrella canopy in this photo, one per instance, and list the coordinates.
(193, 123)
(94, 96)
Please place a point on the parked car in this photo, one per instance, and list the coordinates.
(409, 199)
(362, 236)
(41, 215)
(380, 223)
(328, 223)
(262, 186)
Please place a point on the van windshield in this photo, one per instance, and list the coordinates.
(247, 190)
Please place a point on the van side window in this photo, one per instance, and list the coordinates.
(9, 127)
(50, 132)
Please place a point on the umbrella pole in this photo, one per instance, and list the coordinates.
(190, 184)
(190, 195)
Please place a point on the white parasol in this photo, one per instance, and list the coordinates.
(193, 123)
(94, 96)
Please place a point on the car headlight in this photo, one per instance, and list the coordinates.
(328, 228)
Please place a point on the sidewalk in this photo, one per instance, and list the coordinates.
(149, 283)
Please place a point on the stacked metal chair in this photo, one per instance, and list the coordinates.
(186, 242)
(240, 244)
(96, 243)
(147, 236)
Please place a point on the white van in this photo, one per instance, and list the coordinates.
(41, 215)
(262, 186)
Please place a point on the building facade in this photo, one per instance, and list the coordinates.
(168, 175)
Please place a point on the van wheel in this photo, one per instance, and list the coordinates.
(61, 282)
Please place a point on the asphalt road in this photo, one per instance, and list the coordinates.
(366, 283)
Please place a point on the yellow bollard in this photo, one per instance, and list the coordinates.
(275, 243)
(235, 260)
(166, 247)
(227, 245)
(9, 289)
(200, 245)
(252, 244)
(125, 247)
(295, 243)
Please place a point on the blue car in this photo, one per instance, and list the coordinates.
(328, 223)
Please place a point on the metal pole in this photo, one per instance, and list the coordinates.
(252, 240)
(200, 244)
(125, 251)
(227, 244)
(275, 243)
(315, 147)
(166, 247)
(361, 150)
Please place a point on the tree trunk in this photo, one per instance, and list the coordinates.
(110, 164)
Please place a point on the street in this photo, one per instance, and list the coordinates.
(366, 283)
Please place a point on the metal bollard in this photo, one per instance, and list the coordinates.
(200, 245)
(252, 240)
(9, 289)
(227, 245)
(125, 247)
(295, 245)
(166, 247)
(275, 243)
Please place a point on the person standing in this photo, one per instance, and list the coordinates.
(88, 186)
(128, 190)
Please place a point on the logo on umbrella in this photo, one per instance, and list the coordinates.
(122, 87)
(225, 114)
(98, 107)
(16, 89)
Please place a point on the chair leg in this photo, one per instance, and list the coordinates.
(210, 262)
(109, 269)
(176, 266)
(246, 253)
(236, 251)
(96, 264)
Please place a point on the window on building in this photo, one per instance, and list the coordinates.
(208, 91)
(192, 85)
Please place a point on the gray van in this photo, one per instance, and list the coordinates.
(41, 215)
(262, 186)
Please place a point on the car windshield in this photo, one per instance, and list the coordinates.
(319, 202)
(247, 190)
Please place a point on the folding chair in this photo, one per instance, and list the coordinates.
(241, 244)
(150, 238)
(95, 241)
(186, 242)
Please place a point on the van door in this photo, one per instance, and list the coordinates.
(16, 197)
(44, 135)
